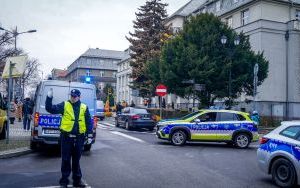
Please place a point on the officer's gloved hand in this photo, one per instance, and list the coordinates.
(89, 140)
(50, 93)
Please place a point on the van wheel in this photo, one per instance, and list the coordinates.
(178, 138)
(242, 140)
(283, 173)
(117, 123)
(3, 133)
(33, 145)
(87, 147)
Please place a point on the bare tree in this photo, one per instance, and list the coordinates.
(31, 77)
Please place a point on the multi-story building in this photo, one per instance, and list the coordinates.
(273, 28)
(96, 66)
(58, 74)
(124, 92)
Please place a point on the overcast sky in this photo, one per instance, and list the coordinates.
(67, 28)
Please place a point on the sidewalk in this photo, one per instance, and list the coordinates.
(19, 141)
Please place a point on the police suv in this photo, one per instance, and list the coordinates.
(279, 154)
(228, 126)
(45, 126)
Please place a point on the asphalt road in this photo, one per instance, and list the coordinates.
(136, 159)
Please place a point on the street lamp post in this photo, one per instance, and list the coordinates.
(15, 33)
(236, 42)
(255, 79)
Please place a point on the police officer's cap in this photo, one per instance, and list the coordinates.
(75, 93)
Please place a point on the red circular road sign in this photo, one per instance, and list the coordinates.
(161, 90)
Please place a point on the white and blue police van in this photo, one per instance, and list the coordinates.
(45, 126)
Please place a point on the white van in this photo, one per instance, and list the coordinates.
(45, 126)
(100, 110)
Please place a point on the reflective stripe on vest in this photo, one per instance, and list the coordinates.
(68, 118)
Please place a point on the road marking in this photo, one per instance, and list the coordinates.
(106, 124)
(127, 136)
(87, 186)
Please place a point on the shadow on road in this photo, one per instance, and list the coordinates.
(204, 144)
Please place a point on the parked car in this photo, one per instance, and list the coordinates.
(279, 154)
(135, 118)
(100, 110)
(45, 127)
(3, 119)
(228, 126)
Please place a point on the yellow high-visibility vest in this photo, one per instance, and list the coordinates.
(68, 118)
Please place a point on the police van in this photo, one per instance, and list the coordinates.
(45, 126)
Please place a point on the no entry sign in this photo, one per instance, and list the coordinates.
(161, 90)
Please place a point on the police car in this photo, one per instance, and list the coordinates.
(279, 154)
(228, 126)
(45, 126)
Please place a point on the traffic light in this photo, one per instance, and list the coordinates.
(88, 79)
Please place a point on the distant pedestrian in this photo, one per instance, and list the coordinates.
(19, 110)
(132, 104)
(255, 117)
(12, 112)
(119, 108)
(27, 113)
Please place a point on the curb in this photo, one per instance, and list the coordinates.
(15, 152)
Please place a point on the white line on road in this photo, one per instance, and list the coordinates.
(127, 136)
(60, 186)
(106, 124)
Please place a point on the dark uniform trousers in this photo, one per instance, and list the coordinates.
(71, 147)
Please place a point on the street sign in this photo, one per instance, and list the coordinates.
(199, 87)
(188, 81)
(18, 66)
(161, 90)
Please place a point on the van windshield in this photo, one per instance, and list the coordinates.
(62, 93)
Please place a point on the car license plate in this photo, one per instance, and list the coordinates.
(51, 131)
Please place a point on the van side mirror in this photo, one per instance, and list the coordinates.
(197, 121)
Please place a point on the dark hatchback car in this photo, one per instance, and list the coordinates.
(135, 118)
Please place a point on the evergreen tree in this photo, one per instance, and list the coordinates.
(146, 42)
(198, 54)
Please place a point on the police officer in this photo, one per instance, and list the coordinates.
(74, 126)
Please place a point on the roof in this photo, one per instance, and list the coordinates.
(288, 123)
(91, 52)
(230, 111)
(188, 8)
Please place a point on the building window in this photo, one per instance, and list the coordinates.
(218, 6)
(229, 21)
(245, 17)
(88, 72)
(297, 14)
(114, 74)
(101, 73)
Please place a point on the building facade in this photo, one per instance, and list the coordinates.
(59, 74)
(273, 28)
(124, 91)
(96, 66)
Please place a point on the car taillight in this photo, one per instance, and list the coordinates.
(135, 117)
(36, 119)
(263, 140)
(95, 122)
